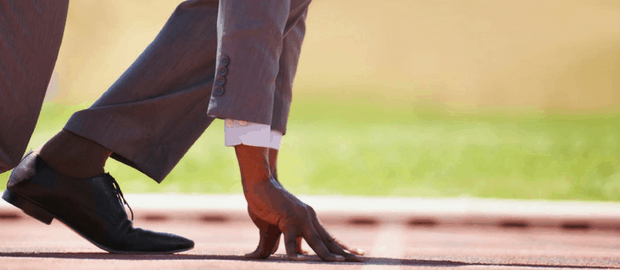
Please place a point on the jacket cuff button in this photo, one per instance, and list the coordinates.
(220, 80)
(222, 71)
(224, 60)
(218, 91)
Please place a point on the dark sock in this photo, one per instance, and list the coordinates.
(74, 156)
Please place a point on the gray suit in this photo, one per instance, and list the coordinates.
(237, 64)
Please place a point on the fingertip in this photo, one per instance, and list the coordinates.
(339, 258)
(358, 251)
(297, 257)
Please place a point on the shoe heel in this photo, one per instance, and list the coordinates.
(28, 207)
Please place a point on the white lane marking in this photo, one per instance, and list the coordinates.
(389, 243)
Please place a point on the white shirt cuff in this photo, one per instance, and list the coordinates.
(241, 132)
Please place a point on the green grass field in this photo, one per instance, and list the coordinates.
(373, 149)
(359, 124)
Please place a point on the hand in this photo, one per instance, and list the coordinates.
(275, 211)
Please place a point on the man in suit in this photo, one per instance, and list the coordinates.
(233, 60)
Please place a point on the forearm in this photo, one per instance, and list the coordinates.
(239, 132)
(253, 165)
(262, 192)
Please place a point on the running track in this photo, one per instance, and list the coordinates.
(28, 244)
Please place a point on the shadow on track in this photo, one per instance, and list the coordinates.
(312, 259)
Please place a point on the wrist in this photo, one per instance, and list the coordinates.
(250, 184)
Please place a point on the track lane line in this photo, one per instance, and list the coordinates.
(389, 243)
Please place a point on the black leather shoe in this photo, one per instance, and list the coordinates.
(92, 207)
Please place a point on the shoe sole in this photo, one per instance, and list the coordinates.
(34, 210)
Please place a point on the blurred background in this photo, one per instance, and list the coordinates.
(427, 98)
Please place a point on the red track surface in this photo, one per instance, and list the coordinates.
(28, 244)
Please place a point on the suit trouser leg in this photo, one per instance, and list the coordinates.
(157, 109)
(30, 37)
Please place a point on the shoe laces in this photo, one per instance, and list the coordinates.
(119, 195)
